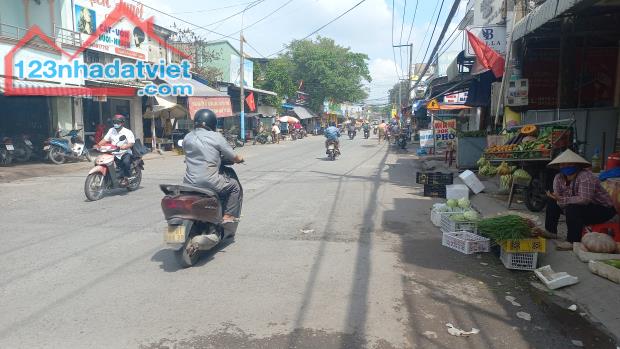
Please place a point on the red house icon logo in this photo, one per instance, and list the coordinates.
(120, 12)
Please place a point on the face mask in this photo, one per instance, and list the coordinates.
(118, 126)
(567, 171)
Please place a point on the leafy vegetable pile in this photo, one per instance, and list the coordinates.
(506, 227)
(613, 262)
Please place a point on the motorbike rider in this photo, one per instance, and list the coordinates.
(351, 128)
(205, 148)
(332, 133)
(122, 157)
(366, 126)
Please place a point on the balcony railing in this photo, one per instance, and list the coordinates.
(12, 32)
(67, 36)
(61, 35)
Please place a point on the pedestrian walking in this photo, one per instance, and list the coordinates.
(275, 132)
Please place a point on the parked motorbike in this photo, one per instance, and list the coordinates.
(24, 149)
(262, 138)
(366, 133)
(402, 141)
(70, 147)
(332, 152)
(104, 176)
(194, 217)
(7, 151)
(233, 140)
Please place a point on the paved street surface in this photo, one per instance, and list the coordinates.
(328, 255)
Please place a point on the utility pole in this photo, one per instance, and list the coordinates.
(241, 92)
(409, 101)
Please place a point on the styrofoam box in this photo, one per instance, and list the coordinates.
(471, 180)
(457, 191)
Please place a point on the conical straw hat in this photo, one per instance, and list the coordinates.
(569, 157)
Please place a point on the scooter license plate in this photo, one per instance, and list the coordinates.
(9, 147)
(174, 234)
(331, 147)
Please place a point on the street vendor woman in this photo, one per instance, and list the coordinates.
(577, 194)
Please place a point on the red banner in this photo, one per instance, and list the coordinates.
(219, 105)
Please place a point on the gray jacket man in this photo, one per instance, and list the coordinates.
(205, 149)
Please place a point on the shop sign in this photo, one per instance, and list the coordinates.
(248, 71)
(433, 105)
(219, 105)
(445, 131)
(426, 138)
(122, 39)
(493, 36)
(456, 98)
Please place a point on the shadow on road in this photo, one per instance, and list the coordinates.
(169, 263)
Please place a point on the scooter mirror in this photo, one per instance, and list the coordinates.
(180, 143)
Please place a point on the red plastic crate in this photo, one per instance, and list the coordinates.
(603, 227)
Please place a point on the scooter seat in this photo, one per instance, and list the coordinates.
(176, 189)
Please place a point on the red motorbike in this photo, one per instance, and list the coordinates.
(104, 176)
(194, 217)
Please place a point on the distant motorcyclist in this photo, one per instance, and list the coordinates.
(205, 148)
(351, 129)
(332, 134)
(122, 157)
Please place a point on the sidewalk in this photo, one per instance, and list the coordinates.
(597, 299)
(19, 171)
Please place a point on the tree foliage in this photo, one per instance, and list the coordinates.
(195, 47)
(393, 93)
(328, 71)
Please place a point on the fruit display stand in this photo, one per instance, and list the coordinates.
(532, 153)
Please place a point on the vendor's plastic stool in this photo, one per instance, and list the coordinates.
(605, 227)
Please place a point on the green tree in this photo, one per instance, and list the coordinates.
(195, 47)
(393, 94)
(328, 71)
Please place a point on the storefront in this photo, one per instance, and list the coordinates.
(36, 116)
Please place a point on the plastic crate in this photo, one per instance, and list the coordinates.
(465, 242)
(434, 178)
(519, 261)
(525, 245)
(435, 190)
(436, 216)
(448, 225)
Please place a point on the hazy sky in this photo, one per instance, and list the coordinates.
(366, 29)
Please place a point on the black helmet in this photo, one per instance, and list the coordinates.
(205, 118)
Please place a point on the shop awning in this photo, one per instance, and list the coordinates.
(198, 89)
(257, 90)
(303, 113)
(35, 86)
(547, 11)
(166, 107)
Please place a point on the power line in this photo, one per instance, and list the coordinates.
(189, 23)
(412, 21)
(393, 48)
(433, 34)
(201, 27)
(443, 32)
(428, 28)
(260, 20)
(328, 23)
(400, 41)
(446, 44)
(213, 9)
(236, 13)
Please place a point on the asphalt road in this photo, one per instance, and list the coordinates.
(328, 255)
